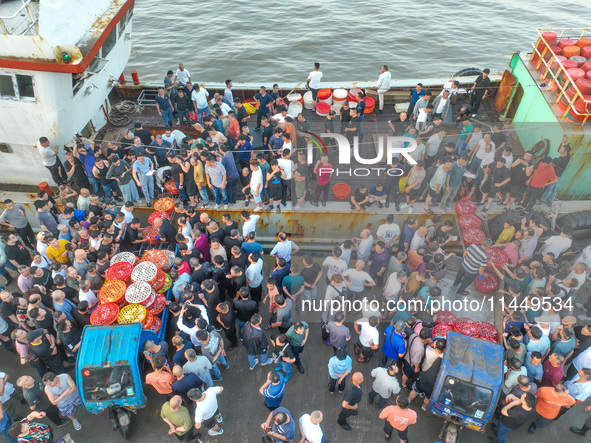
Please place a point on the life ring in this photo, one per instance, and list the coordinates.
(540, 149)
(468, 72)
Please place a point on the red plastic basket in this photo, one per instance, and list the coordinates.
(104, 314)
(473, 236)
(113, 292)
(120, 271)
(467, 327)
(171, 187)
(156, 324)
(441, 330)
(445, 317)
(469, 221)
(149, 234)
(488, 332)
(157, 214)
(158, 282)
(158, 305)
(464, 207)
(487, 284)
(148, 320)
(155, 256)
(497, 256)
(341, 190)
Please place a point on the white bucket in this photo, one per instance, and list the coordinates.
(294, 97)
(328, 100)
(308, 101)
(340, 95)
(294, 109)
(336, 107)
(352, 104)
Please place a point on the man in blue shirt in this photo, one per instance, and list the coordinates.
(244, 149)
(415, 95)
(231, 171)
(164, 106)
(264, 100)
(280, 425)
(273, 390)
(406, 234)
(394, 344)
(85, 153)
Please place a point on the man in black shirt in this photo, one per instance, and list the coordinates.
(167, 232)
(351, 400)
(514, 415)
(352, 128)
(302, 128)
(227, 320)
(520, 172)
(43, 346)
(200, 272)
(345, 116)
(480, 90)
(131, 241)
(69, 336)
(233, 239)
(400, 124)
(16, 253)
(244, 308)
(500, 177)
(229, 224)
(81, 315)
(236, 280)
(144, 134)
(360, 199)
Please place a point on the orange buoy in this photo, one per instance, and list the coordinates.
(370, 105)
(324, 94)
(583, 41)
(580, 109)
(135, 77)
(44, 186)
(571, 51)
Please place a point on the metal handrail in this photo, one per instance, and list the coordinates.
(25, 4)
(559, 71)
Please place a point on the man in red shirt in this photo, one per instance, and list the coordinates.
(161, 379)
(553, 370)
(543, 176)
(550, 401)
(398, 417)
(323, 171)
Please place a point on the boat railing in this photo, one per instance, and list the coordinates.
(570, 102)
(147, 97)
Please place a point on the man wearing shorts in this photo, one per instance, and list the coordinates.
(314, 82)
(398, 417)
(275, 185)
(206, 409)
(414, 180)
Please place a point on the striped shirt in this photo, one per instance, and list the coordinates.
(474, 259)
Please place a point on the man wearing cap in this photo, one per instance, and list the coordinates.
(43, 346)
(143, 174)
(121, 172)
(14, 217)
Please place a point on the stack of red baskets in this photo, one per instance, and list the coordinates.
(158, 214)
(487, 283)
(469, 221)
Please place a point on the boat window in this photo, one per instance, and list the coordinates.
(97, 65)
(25, 86)
(107, 384)
(109, 42)
(7, 86)
(465, 398)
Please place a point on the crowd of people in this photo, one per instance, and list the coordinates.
(223, 295)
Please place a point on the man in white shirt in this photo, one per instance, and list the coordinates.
(383, 86)
(433, 144)
(314, 82)
(249, 225)
(310, 427)
(369, 338)
(384, 385)
(256, 184)
(422, 116)
(388, 232)
(199, 97)
(558, 243)
(334, 263)
(182, 75)
(284, 248)
(206, 409)
(442, 106)
(228, 96)
(358, 280)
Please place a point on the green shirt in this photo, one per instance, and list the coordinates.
(177, 418)
(294, 338)
(521, 283)
(468, 129)
(293, 283)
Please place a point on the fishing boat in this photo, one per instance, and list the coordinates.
(63, 72)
